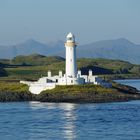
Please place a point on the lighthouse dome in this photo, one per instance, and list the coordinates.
(70, 37)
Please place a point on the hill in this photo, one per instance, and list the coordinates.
(30, 46)
(34, 66)
(36, 59)
(121, 49)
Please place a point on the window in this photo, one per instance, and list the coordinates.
(70, 38)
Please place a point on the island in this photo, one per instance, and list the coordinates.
(84, 81)
(13, 91)
(24, 67)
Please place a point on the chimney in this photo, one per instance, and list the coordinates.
(90, 73)
(79, 73)
(49, 73)
(60, 74)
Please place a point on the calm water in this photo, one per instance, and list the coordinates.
(134, 83)
(45, 121)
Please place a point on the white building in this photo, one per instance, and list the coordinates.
(71, 77)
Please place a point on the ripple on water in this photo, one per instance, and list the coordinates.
(37, 120)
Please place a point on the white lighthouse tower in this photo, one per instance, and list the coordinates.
(71, 67)
(71, 77)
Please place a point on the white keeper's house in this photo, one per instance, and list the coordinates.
(71, 77)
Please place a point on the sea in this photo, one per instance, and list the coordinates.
(69, 121)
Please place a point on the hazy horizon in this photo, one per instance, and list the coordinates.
(50, 20)
(55, 41)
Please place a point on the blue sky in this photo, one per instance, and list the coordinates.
(51, 20)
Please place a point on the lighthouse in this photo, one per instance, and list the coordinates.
(71, 76)
(71, 67)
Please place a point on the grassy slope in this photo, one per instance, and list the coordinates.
(14, 92)
(35, 66)
(36, 59)
(89, 93)
(82, 93)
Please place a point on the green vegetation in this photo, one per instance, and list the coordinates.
(113, 66)
(13, 86)
(76, 89)
(34, 66)
(89, 93)
(14, 92)
(81, 93)
(36, 60)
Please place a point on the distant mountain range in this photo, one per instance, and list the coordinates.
(120, 48)
(31, 47)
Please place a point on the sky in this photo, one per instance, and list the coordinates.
(51, 20)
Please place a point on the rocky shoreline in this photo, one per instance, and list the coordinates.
(75, 94)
